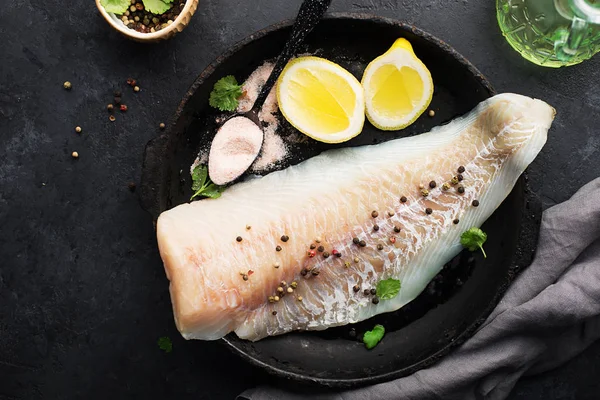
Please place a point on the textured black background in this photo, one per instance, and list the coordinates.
(83, 296)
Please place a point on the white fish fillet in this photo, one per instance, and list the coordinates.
(331, 197)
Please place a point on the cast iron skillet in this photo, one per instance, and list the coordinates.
(455, 303)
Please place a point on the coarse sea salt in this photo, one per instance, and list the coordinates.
(233, 149)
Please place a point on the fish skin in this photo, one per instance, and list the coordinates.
(331, 197)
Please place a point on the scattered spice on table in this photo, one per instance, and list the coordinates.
(428, 211)
(110, 107)
(403, 199)
(475, 203)
(461, 169)
(75, 154)
(67, 85)
(78, 129)
(162, 126)
(431, 113)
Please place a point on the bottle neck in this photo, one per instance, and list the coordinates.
(588, 10)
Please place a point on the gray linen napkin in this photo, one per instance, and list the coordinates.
(550, 314)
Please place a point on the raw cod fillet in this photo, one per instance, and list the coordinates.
(330, 198)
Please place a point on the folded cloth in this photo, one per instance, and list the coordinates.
(549, 314)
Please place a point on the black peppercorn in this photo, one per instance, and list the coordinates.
(397, 229)
(375, 300)
(475, 203)
(239, 238)
(403, 199)
(432, 184)
(362, 243)
(320, 249)
(428, 210)
(461, 189)
(461, 169)
(355, 240)
(356, 288)
(373, 292)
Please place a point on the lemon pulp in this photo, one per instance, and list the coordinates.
(322, 99)
(396, 90)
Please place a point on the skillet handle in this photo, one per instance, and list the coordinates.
(152, 187)
(309, 15)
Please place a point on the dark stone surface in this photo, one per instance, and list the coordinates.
(83, 297)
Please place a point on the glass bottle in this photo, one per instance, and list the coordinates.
(551, 33)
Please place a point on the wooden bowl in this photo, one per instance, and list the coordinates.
(177, 26)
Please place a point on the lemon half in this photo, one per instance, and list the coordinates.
(321, 99)
(398, 87)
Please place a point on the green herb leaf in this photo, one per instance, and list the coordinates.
(473, 239)
(371, 338)
(115, 6)
(388, 289)
(165, 344)
(199, 177)
(213, 191)
(225, 94)
(157, 6)
(202, 185)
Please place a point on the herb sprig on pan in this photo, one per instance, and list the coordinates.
(225, 94)
(388, 289)
(371, 338)
(202, 185)
(165, 344)
(473, 239)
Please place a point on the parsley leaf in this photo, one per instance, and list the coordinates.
(165, 344)
(371, 338)
(388, 289)
(473, 239)
(115, 6)
(157, 6)
(225, 94)
(199, 176)
(202, 185)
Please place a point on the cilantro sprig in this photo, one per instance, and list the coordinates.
(371, 338)
(225, 94)
(474, 239)
(165, 344)
(388, 289)
(120, 6)
(202, 185)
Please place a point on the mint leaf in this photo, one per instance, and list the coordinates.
(473, 239)
(225, 94)
(157, 6)
(165, 344)
(371, 338)
(388, 289)
(115, 6)
(199, 177)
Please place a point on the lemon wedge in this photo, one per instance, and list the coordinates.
(321, 99)
(398, 87)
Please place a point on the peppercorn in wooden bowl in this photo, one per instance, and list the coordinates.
(158, 28)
